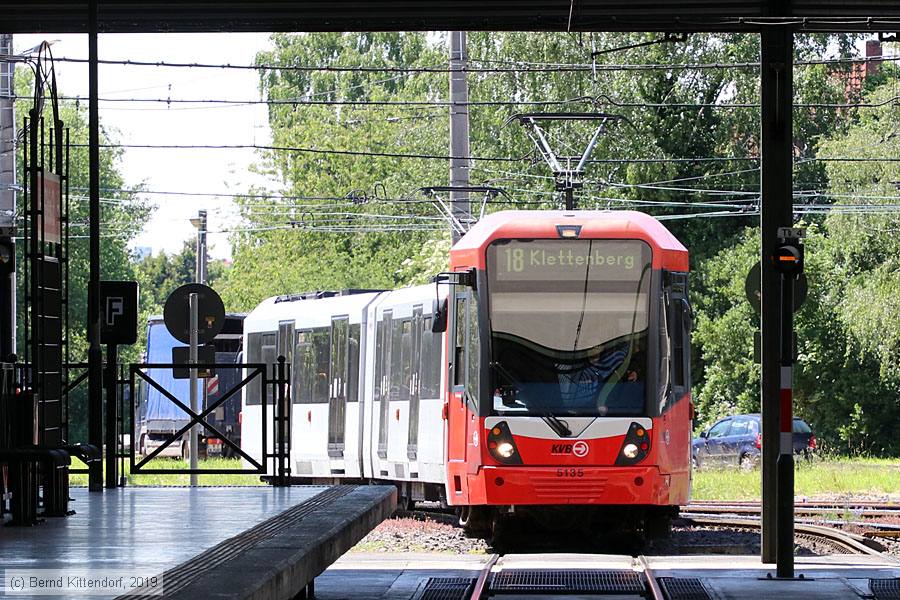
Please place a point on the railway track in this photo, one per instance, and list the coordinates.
(562, 576)
(502, 578)
(857, 509)
(841, 541)
(867, 518)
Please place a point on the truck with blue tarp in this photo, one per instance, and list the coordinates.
(158, 418)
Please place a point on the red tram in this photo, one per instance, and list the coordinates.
(570, 367)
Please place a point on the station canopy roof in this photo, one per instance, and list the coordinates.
(70, 16)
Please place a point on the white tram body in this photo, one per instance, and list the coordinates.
(366, 386)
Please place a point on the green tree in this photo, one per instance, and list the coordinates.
(351, 238)
(123, 216)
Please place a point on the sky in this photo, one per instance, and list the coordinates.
(194, 171)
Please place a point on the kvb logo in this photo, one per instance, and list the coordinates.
(580, 449)
(561, 449)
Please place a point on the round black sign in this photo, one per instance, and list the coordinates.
(210, 313)
(752, 284)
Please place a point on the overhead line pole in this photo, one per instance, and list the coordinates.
(7, 201)
(459, 132)
(776, 91)
(95, 353)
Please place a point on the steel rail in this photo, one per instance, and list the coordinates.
(890, 505)
(798, 509)
(655, 590)
(829, 534)
(481, 582)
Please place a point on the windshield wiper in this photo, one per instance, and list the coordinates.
(555, 423)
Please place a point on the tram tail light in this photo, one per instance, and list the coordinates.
(502, 446)
(635, 446)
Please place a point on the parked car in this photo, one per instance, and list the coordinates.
(737, 441)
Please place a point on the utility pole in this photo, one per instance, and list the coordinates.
(95, 352)
(7, 200)
(776, 94)
(459, 131)
(200, 223)
(200, 276)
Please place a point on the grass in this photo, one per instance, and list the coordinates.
(833, 477)
(177, 479)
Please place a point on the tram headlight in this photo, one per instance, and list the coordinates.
(505, 449)
(501, 445)
(635, 446)
(630, 450)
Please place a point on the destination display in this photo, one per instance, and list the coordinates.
(567, 260)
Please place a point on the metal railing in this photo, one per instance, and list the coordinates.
(278, 382)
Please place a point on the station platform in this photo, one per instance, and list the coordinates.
(228, 542)
(724, 577)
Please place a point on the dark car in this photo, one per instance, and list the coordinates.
(737, 441)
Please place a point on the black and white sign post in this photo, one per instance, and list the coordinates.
(118, 325)
(194, 314)
(788, 260)
(193, 307)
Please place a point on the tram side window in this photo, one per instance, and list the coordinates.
(260, 349)
(473, 350)
(302, 369)
(379, 359)
(353, 362)
(406, 369)
(430, 368)
(321, 343)
(680, 332)
(664, 356)
(383, 357)
(459, 352)
(396, 376)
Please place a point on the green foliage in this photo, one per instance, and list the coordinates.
(847, 378)
(123, 215)
(301, 245)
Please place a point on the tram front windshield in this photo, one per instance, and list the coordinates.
(569, 326)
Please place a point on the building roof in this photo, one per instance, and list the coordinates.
(70, 16)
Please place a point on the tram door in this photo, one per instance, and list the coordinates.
(284, 346)
(337, 389)
(415, 383)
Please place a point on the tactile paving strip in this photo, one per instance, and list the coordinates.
(607, 581)
(683, 588)
(182, 575)
(447, 588)
(885, 589)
